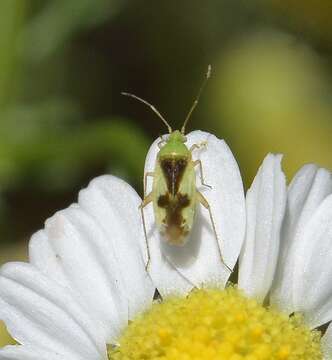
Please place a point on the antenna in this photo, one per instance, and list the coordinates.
(151, 107)
(207, 76)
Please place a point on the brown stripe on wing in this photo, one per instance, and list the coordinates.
(173, 170)
(175, 231)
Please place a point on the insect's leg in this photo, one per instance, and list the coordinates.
(199, 163)
(206, 204)
(161, 142)
(146, 180)
(198, 146)
(112, 349)
(147, 199)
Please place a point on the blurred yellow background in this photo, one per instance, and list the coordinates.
(63, 64)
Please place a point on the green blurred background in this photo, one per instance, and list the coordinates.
(63, 64)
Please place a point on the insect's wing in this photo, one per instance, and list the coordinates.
(159, 189)
(188, 187)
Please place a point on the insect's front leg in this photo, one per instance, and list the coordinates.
(198, 146)
(147, 199)
(146, 180)
(201, 199)
(199, 163)
(162, 142)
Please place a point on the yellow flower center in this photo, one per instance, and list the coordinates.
(216, 324)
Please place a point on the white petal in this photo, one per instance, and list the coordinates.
(94, 248)
(307, 190)
(113, 204)
(43, 256)
(178, 269)
(80, 247)
(312, 268)
(326, 343)
(265, 201)
(18, 352)
(40, 313)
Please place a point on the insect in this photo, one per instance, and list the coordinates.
(174, 193)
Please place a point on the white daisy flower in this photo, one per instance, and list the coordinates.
(85, 293)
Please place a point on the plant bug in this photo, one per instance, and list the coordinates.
(174, 193)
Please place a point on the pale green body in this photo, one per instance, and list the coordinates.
(172, 151)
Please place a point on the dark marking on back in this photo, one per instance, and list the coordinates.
(173, 169)
(163, 201)
(174, 219)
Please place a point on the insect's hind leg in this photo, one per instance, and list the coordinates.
(206, 204)
(147, 199)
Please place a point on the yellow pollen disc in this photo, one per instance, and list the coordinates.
(216, 324)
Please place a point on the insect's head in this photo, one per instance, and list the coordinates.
(176, 135)
(174, 144)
